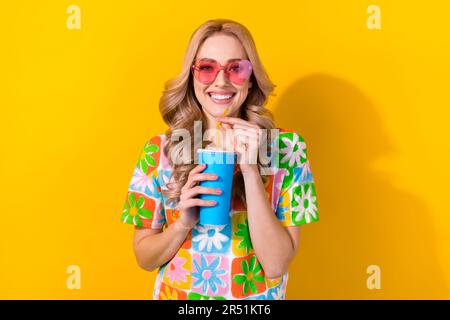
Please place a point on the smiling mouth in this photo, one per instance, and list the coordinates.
(221, 98)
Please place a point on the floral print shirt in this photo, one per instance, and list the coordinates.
(218, 262)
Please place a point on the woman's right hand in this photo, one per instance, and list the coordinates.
(188, 204)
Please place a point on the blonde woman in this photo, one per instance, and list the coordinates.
(248, 258)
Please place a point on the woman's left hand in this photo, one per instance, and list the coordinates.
(246, 138)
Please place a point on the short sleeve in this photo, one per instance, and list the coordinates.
(297, 203)
(144, 204)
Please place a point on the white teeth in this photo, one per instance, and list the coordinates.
(220, 97)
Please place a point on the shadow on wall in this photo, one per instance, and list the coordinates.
(364, 219)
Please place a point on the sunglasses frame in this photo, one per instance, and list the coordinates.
(194, 68)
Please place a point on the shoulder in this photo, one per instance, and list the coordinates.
(289, 148)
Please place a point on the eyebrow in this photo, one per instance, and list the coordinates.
(205, 58)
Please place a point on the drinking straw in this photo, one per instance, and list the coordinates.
(219, 125)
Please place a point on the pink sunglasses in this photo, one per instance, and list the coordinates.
(237, 70)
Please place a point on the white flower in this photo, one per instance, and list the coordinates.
(278, 295)
(209, 236)
(308, 211)
(165, 178)
(289, 153)
(277, 186)
(305, 170)
(140, 180)
(165, 175)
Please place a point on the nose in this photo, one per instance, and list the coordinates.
(221, 79)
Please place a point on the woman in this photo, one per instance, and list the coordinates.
(249, 258)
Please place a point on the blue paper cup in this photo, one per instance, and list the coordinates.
(221, 163)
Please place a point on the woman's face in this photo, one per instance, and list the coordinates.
(222, 48)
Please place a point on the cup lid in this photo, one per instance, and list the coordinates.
(215, 150)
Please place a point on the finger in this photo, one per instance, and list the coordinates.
(247, 133)
(197, 169)
(246, 139)
(189, 182)
(227, 126)
(234, 121)
(200, 190)
(246, 127)
(198, 202)
(204, 176)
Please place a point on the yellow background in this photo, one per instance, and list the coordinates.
(78, 105)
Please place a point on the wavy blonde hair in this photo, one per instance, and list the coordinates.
(179, 106)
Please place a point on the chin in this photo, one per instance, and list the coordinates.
(217, 110)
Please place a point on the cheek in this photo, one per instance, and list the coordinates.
(239, 99)
(199, 91)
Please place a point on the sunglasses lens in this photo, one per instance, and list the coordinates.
(239, 71)
(206, 71)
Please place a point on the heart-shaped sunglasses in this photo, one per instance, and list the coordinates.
(236, 70)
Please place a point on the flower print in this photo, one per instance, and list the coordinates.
(256, 297)
(305, 204)
(165, 161)
(175, 271)
(287, 179)
(208, 275)
(306, 170)
(277, 294)
(277, 185)
(164, 178)
(251, 274)
(283, 212)
(243, 233)
(172, 215)
(274, 282)
(146, 159)
(155, 191)
(293, 151)
(198, 296)
(281, 209)
(168, 293)
(209, 236)
(284, 285)
(135, 210)
(140, 181)
(240, 239)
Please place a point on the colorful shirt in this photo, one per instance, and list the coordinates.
(218, 262)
